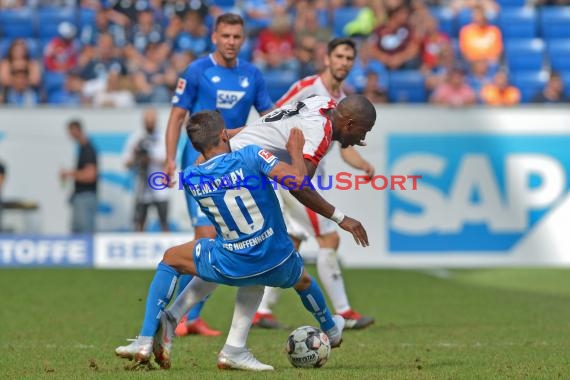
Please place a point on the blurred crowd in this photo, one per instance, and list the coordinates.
(119, 53)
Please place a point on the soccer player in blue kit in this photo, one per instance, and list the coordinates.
(251, 248)
(219, 81)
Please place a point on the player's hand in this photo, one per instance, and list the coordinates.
(356, 229)
(296, 141)
(169, 168)
(368, 169)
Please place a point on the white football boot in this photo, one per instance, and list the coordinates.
(335, 334)
(162, 346)
(139, 350)
(243, 360)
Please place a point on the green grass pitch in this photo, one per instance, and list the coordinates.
(460, 324)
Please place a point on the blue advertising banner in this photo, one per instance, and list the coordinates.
(46, 251)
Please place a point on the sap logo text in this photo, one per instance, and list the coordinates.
(228, 99)
(35, 251)
(478, 193)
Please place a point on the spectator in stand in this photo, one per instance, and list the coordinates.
(489, 6)
(500, 92)
(479, 76)
(553, 91)
(395, 43)
(438, 74)
(192, 35)
(146, 31)
(307, 24)
(116, 94)
(104, 24)
(276, 46)
(102, 59)
(262, 12)
(149, 80)
(480, 40)
(20, 92)
(305, 51)
(373, 91)
(18, 58)
(455, 91)
(433, 43)
(371, 15)
(62, 52)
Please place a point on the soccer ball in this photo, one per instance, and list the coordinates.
(308, 347)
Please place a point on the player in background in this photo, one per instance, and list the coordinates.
(243, 254)
(341, 53)
(219, 81)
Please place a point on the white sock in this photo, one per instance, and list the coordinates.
(247, 301)
(193, 293)
(331, 279)
(270, 298)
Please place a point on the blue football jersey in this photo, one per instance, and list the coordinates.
(232, 191)
(205, 85)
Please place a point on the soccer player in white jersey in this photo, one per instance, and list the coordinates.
(301, 221)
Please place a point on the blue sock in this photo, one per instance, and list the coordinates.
(314, 301)
(159, 294)
(194, 313)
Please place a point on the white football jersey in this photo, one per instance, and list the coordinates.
(304, 88)
(271, 132)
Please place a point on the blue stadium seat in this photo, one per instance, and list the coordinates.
(278, 82)
(525, 54)
(17, 23)
(341, 17)
(53, 82)
(50, 18)
(566, 80)
(247, 48)
(529, 83)
(559, 54)
(223, 3)
(511, 3)
(86, 17)
(446, 20)
(518, 23)
(555, 22)
(407, 86)
(33, 47)
(4, 46)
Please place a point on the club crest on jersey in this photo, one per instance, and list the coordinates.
(228, 99)
(244, 82)
(180, 86)
(267, 156)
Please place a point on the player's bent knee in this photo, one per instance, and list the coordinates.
(330, 240)
(304, 282)
(181, 258)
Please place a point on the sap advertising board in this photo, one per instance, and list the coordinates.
(494, 190)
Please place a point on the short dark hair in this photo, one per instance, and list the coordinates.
(75, 123)
(203, 129)
(229, 18)
(340, 41)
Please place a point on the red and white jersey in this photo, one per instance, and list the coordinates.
(271, 132)
(307, 87)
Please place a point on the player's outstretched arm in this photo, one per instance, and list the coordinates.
(313, 200)
(173, 127)
(351, 156)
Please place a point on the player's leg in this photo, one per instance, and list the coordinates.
(330, 274)
(162, 210)
(176, 260)
(235, 354)
(192, 323)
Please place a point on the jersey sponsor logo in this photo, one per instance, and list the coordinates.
(267, 156)
(181, 86)
(479, 193)
(228, 99)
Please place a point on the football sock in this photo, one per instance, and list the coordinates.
(247, 301)
(159, 294)
(314, 301)
(194, 313)
(270, 298)
(331, 278)
(193, 293)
